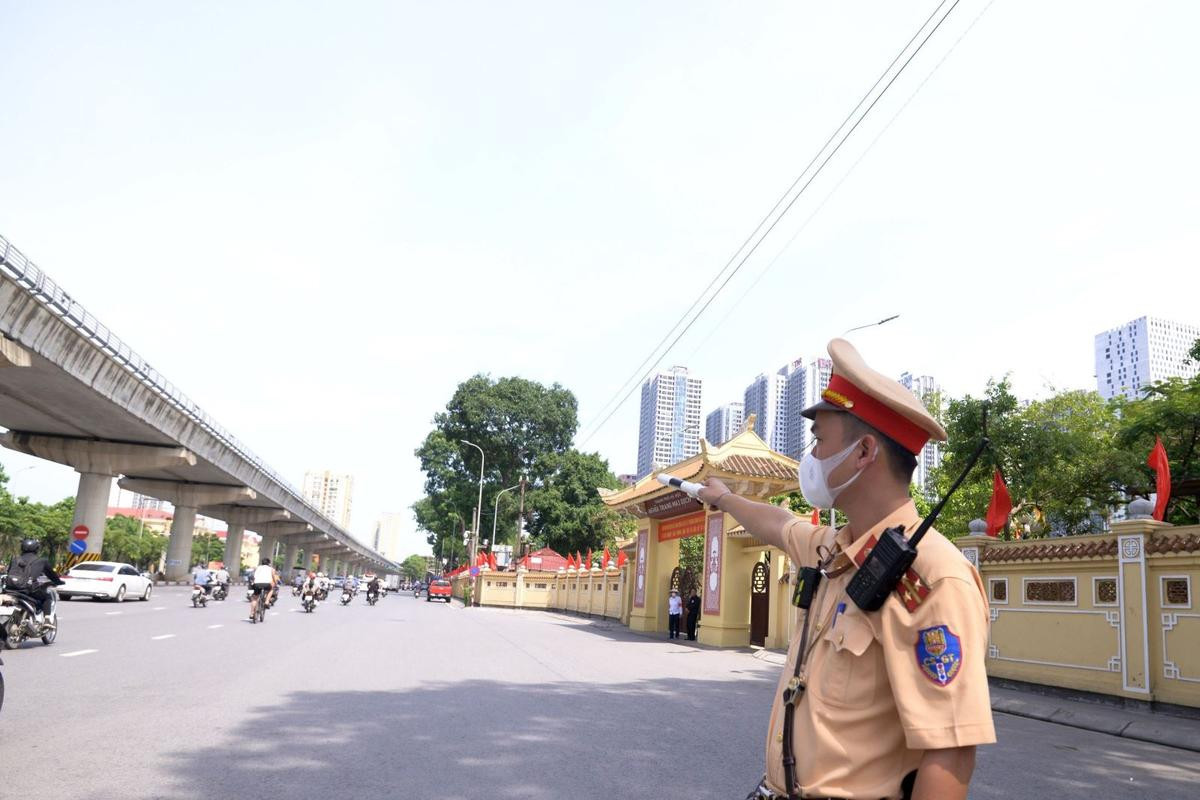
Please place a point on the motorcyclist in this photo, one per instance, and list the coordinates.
(221, 576)
(25, 574)
(351, 585)
(308, 583)
(202, 579)
(373, 588)
(322, 586)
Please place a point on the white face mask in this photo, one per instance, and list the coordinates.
(814, 477)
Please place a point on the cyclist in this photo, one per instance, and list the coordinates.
(264, 581)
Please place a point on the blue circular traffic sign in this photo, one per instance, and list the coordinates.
(77, 546)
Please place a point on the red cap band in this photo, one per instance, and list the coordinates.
(845, 395)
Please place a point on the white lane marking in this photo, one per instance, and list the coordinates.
(210, 627)
(274, 613)
(113, 613)
(74, 653)
(160, 608)
(164, 636)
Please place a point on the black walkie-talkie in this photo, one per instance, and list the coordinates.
(892, 555)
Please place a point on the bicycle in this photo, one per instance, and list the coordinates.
(258, 606)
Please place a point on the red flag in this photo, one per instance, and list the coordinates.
(492, 560)
(604, 561)
(1000, 507)
(578, 560)
(1162, 478)
(621, 559)
(816, 518)
(589, 560)
(570, 561)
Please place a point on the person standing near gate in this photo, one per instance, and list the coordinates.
(875, 701)
(693, 616)
(674, 610)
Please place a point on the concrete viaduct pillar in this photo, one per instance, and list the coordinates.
(290, 555)
(97, 462)
(187, 499)
(234, 535)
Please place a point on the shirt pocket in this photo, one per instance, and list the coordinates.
(850, 665)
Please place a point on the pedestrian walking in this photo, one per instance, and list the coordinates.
(875, 701)
(693, 616)
(674, 612)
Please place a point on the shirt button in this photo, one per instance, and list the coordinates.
(779, 737)
(841, 638)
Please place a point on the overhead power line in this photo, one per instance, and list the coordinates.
(776, 214)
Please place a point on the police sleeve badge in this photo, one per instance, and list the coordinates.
(939, 654)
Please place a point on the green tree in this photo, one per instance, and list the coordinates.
(413, 567)
(207, 547)
(1170, 410)
(518, 423)
(126, 539)
(568, 514)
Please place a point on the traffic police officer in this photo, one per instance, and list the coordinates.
(875, 696)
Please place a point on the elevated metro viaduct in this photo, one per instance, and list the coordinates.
(72, 392)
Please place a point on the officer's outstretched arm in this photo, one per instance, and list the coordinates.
(763, 521)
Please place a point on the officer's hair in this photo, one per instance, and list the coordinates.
(900, 461)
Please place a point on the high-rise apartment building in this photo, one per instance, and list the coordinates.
(389, 528)
(331, 493)
(724, 423)
(925, 387)
(765, 398)
(669, 428)
(1135, 355)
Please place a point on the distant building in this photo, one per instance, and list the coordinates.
(724, 423)
(925, 387)
(627, 479)
(765, 398)
(1135, 355)
(669, 427)
(331, 493)
(388, 529)
(149, 520)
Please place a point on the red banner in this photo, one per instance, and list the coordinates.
(639, 588)
(681, 527)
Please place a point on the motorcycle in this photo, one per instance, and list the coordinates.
(249, 593)
(220, 591)
(346, 597)
(372, 598)
(322, 594)
(199, 597)
(309, 602)
(295, 591)
(21, 618)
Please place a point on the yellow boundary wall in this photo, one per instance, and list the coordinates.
(595, 592)
(1111, 613)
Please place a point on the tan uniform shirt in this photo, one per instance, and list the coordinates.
(884, 686)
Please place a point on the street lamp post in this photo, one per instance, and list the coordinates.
(496, 511)
(478, 505)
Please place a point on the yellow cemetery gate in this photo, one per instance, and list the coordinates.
(666, 516)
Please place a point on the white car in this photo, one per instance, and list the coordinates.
(105, 580)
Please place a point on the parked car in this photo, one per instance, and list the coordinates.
(438, 588)
(105, 580)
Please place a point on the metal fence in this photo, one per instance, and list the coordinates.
(55, 299)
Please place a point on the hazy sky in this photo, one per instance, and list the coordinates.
(318, 218)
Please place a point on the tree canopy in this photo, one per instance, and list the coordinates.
(525, 430)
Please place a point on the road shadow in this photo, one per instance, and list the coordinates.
(481, 739)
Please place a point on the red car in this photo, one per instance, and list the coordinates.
(439, 588)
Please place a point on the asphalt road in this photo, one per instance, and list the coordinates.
(416, 699)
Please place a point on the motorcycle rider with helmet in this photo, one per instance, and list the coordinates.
(26, 571)
(373, 588)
